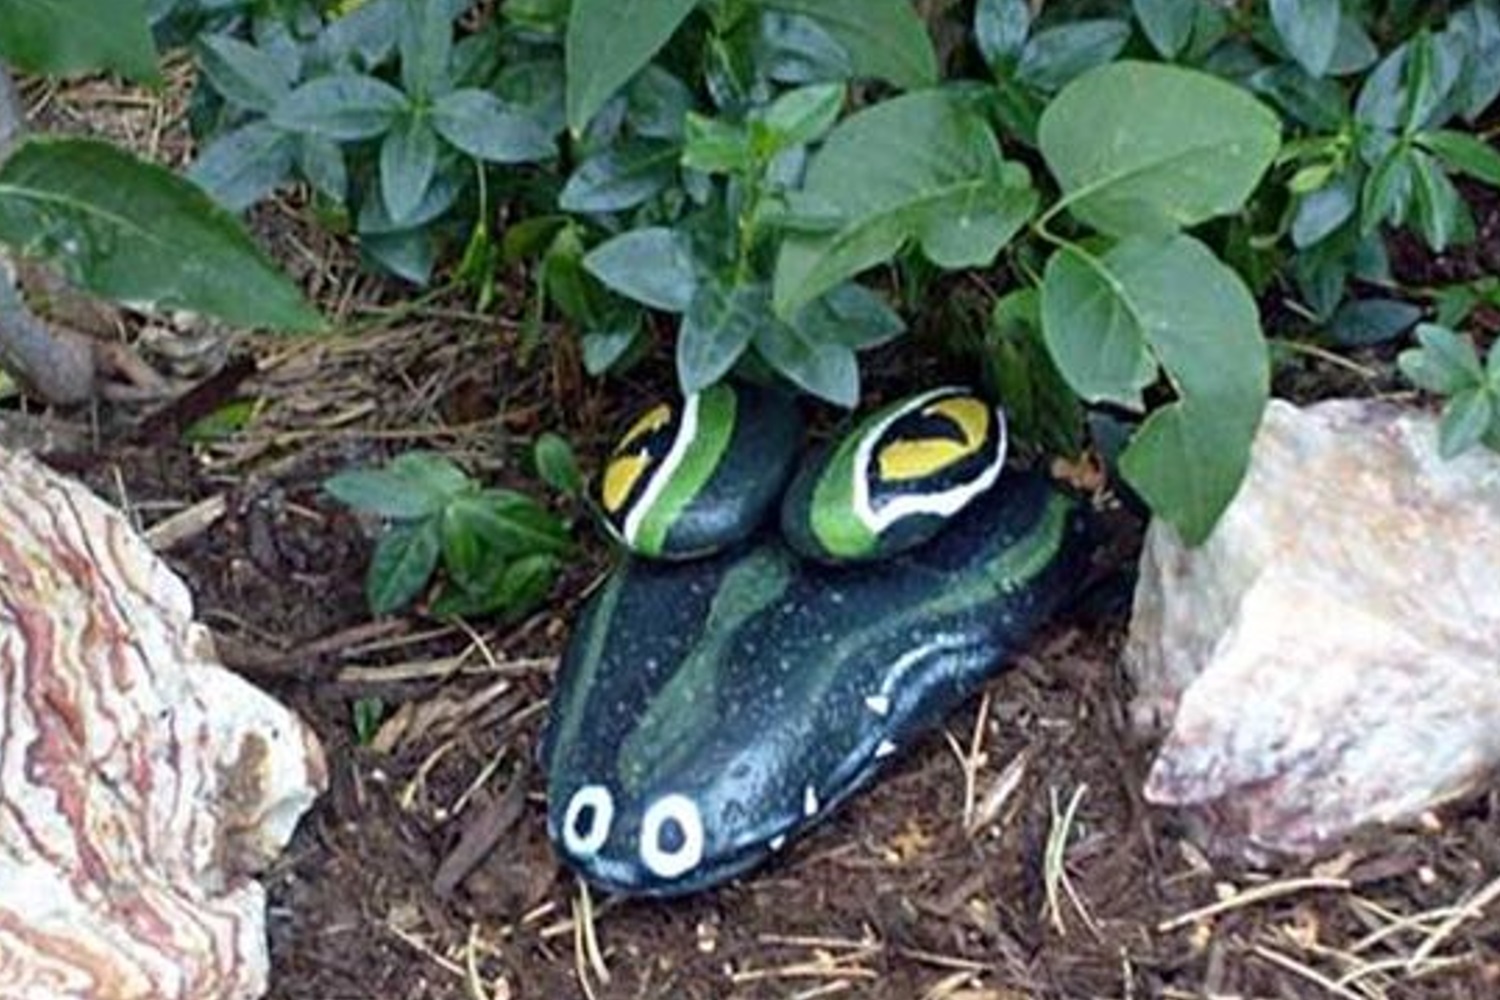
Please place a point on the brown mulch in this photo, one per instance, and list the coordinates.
(1009, 856)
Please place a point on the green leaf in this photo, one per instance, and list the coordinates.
(1173, 299)
(346, 107)
(1445, 363)
(402, 564)
(1466, 419)
(1147, 149)
(408, 162)
(1309, 29)
(1167, 23)
(1320, 213)
(801, 116)
(478, 123)
(608, 42)
(410, 487)
(1465, 153)
(922, 167)
(558, 465)
(513, 525)
(718, 327)
(621, 177)
(653, 266)
(825, 368)
(657, 103)
(239, 168)
(243, 74)
(135, 232)
(63, 37)
(1055, 57)
(885, 39)
(425, 41)
(1439, 208)
(716, 147)
(1001, 28)
(1372, 321)
(850, 315)
(367, 714)
(1387, 194)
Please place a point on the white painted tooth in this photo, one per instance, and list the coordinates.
(878, 703)
(810, 801)
(778, 842)
(885, 749)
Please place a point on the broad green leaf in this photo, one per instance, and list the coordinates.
(558, 465)
(608, 42)
(1172, 298)
(1001, 28)
(1057, 56)
(657, 103)
(1147, 149)
(412, 486)
(716, 330)
(1387, 195)
(513, 524)
(241, 167)
(1465, 153)
(1445, 363)
(77, 36)
(885, 39)
(923, 167)
(408, 161)
(241, 73)
(1323, 211)
(825, 368)
(1309, 29)
(621, 177)
(1466, 419)
(1167, 23)
(1317, 102)
(425, 40)
(345, 107)
(801, 116)
(321, 161)
(793, 49)
(1372, 321)
(136, 232)
(478, 123)
(653, 266)
(402, 564)
(850, 315)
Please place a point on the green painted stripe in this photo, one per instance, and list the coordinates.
(832, 518)
(588, 665)
(687, 705)
(717, 408)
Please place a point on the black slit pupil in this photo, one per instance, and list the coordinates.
(671, 838)
(583, 823)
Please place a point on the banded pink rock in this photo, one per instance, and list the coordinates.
(142, 786)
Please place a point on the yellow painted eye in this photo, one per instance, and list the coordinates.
(905, 461)
(620, 477)
(650, 422)
(971, 415)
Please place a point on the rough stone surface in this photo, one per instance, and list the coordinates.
(1331, 656)
(141, 785)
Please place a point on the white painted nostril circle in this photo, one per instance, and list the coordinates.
(672, 836)
(586, 823)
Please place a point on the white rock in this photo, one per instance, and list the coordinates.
(141, 784)
(1331, 656)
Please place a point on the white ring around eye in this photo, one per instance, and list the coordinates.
(672, 862)
(597, 801)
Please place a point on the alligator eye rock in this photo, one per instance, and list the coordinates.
(707, 711)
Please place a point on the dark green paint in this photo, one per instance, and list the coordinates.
(743, 680)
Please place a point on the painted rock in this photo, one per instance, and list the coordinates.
(896, 479)
(691, 478)
(707, 711)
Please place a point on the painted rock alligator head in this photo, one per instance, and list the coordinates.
(707, 711)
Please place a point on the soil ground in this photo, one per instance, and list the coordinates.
(1009, 856)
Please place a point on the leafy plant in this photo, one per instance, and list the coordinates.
(1447, 365)
(378, 110)
(500, 550)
